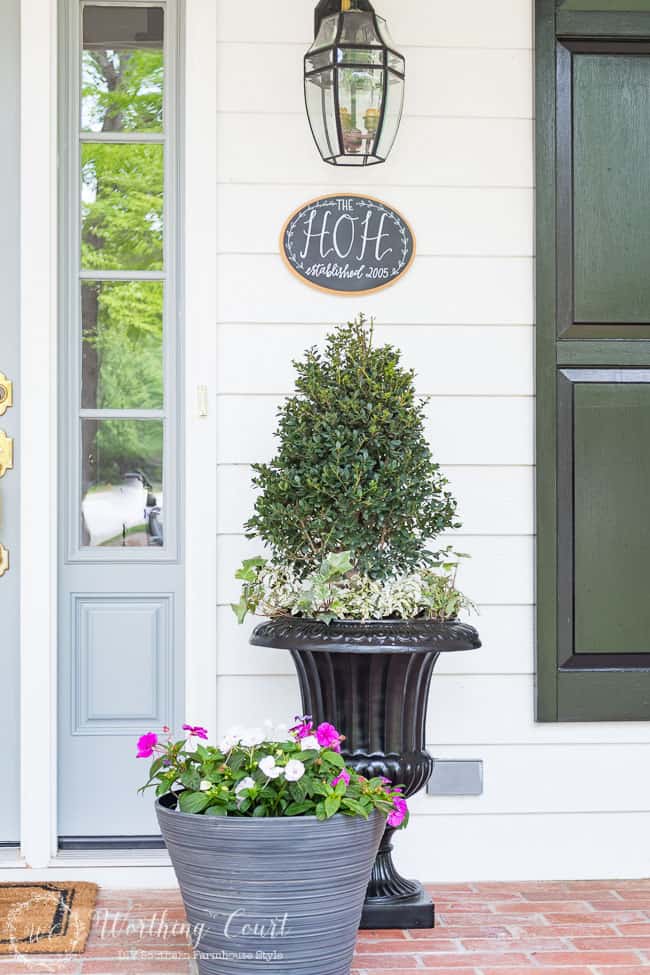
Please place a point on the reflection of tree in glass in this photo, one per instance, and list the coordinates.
(122, 91)
(122, 229)
(127, 446)
(124, 346)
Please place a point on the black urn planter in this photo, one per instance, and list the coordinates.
(371, 679)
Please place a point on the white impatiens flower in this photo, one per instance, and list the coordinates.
(268, 766)
(246, 783)
(308, 743)
(191, 744)
(294, 770)
(227, 743)
(252, 738)
(205, 786)
(279, 732)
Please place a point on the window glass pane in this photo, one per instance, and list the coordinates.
(122, 475)
(122, 354)
(122, 69)
(121, 207)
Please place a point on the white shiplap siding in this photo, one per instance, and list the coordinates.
(462, 174)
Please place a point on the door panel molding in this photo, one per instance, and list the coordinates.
(104, 637)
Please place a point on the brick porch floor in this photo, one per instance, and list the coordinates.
(589, 928)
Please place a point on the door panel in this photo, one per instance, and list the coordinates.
(593, 360)
(612, 517)
(9, 422)
(611, 108)
(121, 572)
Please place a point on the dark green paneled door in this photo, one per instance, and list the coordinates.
(593, 354)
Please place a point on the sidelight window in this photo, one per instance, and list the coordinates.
(121, 292)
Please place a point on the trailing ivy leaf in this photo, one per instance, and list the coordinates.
(248, 570)
(240, 609)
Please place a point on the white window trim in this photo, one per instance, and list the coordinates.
(38, 396)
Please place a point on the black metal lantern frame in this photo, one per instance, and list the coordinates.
(336, 56)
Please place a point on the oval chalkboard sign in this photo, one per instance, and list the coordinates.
(347, 244)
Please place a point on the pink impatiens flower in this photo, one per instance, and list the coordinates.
(328, 737)
(343, 776)
(304, 727)
(399, 813)
(146, 745)
(196, 730)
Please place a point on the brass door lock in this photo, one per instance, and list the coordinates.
(6, 394)
(6, 453)
(4, 560)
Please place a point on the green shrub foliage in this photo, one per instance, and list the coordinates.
(354, 471)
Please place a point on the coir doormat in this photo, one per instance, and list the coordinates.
(45, 918)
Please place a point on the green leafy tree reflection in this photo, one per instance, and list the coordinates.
(122, 229)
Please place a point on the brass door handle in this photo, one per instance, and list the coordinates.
(6, 394)
(4, 560)
(6, 453)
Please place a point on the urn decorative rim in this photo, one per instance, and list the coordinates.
(366, 636)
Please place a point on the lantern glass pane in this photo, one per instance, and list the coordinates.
(359, 29)
(385, 34)
(392, 115)
(327, 33)
(396, 62)
(360, 105)
(360, 56)
(319, 96)
(316, 62)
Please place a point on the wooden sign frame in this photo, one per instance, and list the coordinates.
(333, 291)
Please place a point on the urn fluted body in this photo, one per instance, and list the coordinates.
(371, 679)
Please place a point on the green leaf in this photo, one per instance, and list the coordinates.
(216, 811)
(259, 811)
(337, 564)
(248, 570)
(240, 609)
(356, 808)
(334, 759)
(332, 804)
(298, 808)
(193, 802)
(191, 780)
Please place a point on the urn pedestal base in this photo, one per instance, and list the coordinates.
(371, 679)
(414, 912)
(391, 900)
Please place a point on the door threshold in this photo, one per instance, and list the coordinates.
(111, 857)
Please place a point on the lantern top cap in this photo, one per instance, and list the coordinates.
(326, 8)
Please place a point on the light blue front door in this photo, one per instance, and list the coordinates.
(9, 420)
(121, 572)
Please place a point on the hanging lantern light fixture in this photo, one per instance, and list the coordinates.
(354, 84)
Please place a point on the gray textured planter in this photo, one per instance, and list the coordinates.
(273, 895)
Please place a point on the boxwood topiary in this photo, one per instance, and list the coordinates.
(354, 471)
